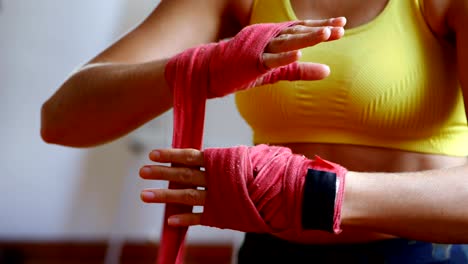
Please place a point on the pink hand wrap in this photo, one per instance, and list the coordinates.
(208, 71)
(260, 189)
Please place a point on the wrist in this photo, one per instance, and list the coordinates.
(353, 208)
(323, 196)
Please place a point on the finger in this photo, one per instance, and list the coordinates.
(185, 196)
(300, 29)
(336, 32)
(313, 71)
(296, 71)
(189, 176)
(333, 22)
(289, 42)
(190, 157)
(185, 219)
(274, 60)
(297, 29)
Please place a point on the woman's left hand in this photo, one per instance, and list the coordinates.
(190, 174)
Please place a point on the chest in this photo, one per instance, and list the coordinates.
(387, 74)
(357, 12)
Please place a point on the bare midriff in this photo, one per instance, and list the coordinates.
(367, 159)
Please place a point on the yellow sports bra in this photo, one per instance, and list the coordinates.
(393, 84)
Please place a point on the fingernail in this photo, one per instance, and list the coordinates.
(155, 154)
(342, 19)
(173, 221)
(147, 195)
(336, 19)
(145, 171)
(299, 53)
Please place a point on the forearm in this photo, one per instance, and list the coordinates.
(429, 205)
(103, 102)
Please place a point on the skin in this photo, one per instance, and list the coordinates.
(420, 196)
(124, 86)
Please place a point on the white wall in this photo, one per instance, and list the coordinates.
(54, 192)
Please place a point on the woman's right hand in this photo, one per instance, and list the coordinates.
(126, 87)
(284, 48)
(258, 54)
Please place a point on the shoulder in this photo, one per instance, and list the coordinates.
(175, 25)
(445, 17)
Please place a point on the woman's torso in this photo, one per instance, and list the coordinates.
(359, 157)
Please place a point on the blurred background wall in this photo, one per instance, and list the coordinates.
(51, 192)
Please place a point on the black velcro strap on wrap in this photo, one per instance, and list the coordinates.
(318, 205)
